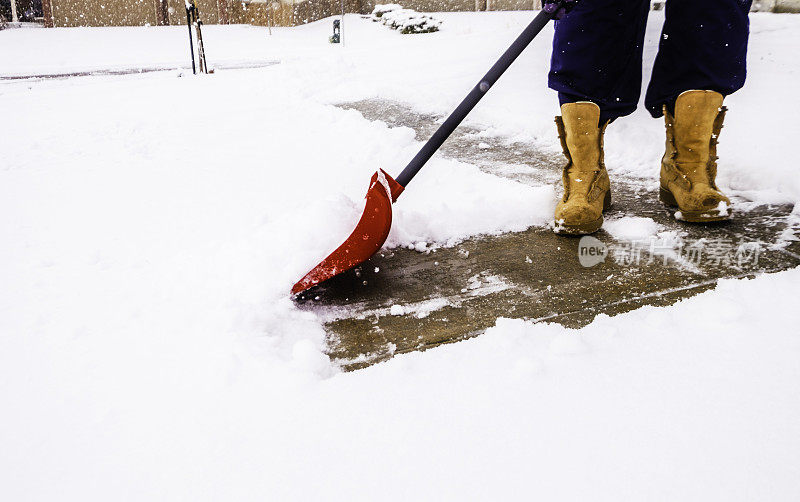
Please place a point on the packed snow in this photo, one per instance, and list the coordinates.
(632, 228)
(152, 225)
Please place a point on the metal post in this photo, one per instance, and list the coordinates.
(191, 43)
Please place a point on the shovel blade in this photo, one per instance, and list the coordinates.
(367, 238)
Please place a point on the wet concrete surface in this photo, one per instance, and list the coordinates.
(450, 294)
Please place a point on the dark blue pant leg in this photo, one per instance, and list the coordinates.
(597, 55)
(703, 46)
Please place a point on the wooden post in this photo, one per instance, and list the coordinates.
(162, 13)
(47, 13)
(222, 8)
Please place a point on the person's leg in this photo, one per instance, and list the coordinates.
(597, 71)
(701, 59)
(587, 189)
(597, 55)
(689, 165)
(703, 46)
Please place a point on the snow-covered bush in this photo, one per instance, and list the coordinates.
(381, 9)
(409, 21)
(3, 22)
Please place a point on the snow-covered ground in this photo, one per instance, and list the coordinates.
(152, 225)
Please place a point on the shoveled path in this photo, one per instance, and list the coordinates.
(455, 293)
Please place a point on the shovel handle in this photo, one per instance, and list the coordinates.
(475, 95)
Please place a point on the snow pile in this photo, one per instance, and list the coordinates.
(405, 20)
(408, 21)
(381, 9)
(632, 228)
(456, 200)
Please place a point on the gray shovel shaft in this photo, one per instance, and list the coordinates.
(475, 95)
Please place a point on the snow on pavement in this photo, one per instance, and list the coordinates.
(152, 225)
(632, 228)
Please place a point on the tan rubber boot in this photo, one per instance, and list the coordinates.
(587, 189)
(689, 165)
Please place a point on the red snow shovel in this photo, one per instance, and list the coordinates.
(373, 227)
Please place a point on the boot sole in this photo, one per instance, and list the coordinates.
(584, 228)
(668, 199)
